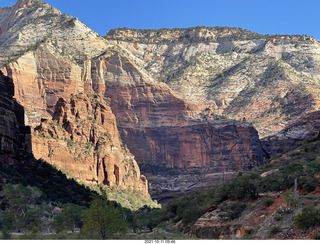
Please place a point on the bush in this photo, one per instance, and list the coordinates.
(26, 208)
(232, 210)
(309, 217)
(6, 234)
(267, 202)
(71, 216)
(275, 230)
(249, 231)
(307, 183)
(316, 236)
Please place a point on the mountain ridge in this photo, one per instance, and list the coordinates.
(192, 34)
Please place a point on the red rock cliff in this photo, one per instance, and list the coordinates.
(83, 139)
(163, 131)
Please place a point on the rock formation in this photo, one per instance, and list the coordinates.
(82, 138)
(272, 81)
(162, 84)
(14, 135)
(164, 131)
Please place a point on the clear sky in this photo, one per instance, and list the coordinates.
(262, 16)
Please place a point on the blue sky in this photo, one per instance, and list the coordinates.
(265, 17)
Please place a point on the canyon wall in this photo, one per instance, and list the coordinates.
(167, 122)
(164, 131)
(272, 81)
(82, 138)
(15, 140)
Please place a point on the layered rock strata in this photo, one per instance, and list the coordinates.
(164, 131)
(82, 138)
(272, 81)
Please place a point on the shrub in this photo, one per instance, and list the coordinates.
(307, 183)
(309, 217)
(232, 210)
(316, 236)
(6, 234)
(249, 231)
(275, 230)
(267, 202)
(70, 217)
(248, 234)
(25, 207)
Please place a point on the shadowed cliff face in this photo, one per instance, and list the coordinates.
(14, 136)
(17, 164)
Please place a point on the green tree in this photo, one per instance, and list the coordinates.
(147, 217)
(25, 207)
(71, 216)
(103, 220)
(309, 217)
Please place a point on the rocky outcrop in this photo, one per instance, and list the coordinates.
(308, 126)
(258, 218)
(14, 136)
(31, 22)
(8, 15)
(82, 138)
(181, 35)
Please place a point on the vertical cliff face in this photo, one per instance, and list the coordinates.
(14, 136)
(40, 78)
(82, 138)
(165, 132)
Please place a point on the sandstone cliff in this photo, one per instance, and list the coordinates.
(82, 138)
(200, 152)
(164, 131)
(17, 164)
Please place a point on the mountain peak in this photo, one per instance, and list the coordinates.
(31, 22)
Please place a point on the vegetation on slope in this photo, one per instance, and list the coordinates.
(235, 197)
(150, 36)
(233, 200)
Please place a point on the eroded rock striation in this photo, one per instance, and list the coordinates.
(82, 138)
(162, 131)
(272, 81)
(165, 131)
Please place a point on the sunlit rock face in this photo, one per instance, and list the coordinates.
(82, 138)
